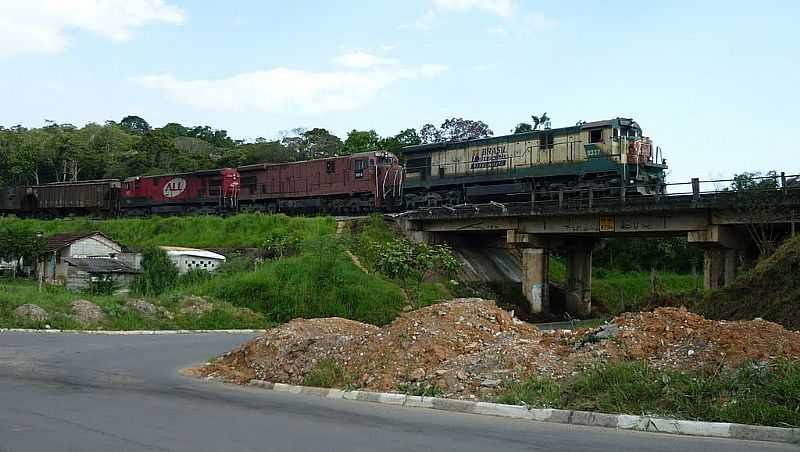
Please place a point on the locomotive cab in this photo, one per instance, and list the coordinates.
(388, 180)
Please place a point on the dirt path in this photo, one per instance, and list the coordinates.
(340, 226)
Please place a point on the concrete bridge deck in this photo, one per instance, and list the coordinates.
(726, 224)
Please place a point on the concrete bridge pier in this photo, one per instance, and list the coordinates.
(725, 248)
(535, 279)
(579, 275)
(535, 270)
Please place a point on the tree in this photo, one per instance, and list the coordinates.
(361, 141)
(174, 130)
(305, 144)
(753, 202)
(542, 120)
(319, 143)
(405, 259)
(460, 129)
(18, 242)
(429, 133)
(135, 125)
(408, 137)
(523, 127)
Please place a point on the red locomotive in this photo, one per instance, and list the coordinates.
(354, 183)
(209, 191)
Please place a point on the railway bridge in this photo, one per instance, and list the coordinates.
(730, 225)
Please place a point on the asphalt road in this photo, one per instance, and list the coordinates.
(123, 393)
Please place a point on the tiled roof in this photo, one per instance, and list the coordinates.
(58, 241)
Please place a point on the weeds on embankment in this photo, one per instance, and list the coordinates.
(755, 393)
(206, 231)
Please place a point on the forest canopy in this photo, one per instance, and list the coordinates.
(59, 152)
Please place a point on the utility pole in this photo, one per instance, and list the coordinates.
(40, 263)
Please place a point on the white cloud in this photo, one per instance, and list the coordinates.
(284, 90)
(361, 60)
(42, 26)
(501, 8)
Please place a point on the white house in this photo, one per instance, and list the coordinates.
(188, 259)
(76, 260)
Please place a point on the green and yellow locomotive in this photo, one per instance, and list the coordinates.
(601, 159)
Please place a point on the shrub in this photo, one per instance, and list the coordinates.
(159, 274)
(326, 374)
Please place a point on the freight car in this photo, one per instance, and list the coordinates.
(200, 192)
(94, 197)
(605, 158)
(361, 182)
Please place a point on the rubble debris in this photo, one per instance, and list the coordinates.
(31, 312)
(468, 348)
(87, 313)
(142, 307)
(196, 306)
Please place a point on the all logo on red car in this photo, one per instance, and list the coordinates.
(174, 187)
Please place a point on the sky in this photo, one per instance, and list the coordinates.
(716, 84)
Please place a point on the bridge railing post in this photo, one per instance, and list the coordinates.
(783, 182)
(560, 199)
(591, 195)
(695, 188)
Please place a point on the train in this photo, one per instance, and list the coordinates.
(609, 158)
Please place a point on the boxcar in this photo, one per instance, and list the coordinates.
(211, 191)
(353, 183)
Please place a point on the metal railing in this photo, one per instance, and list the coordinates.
(782, 190)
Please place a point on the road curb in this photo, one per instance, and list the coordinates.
(618, 421)
(126, 333)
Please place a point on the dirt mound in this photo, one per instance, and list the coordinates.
(770, 290)
(287, 353)
(467, 348)
(678, 339)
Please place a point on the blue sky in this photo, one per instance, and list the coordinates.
(714, 83)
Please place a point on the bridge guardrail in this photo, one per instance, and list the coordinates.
(785, 191)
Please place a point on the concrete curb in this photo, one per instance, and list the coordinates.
(126, 333)
(618, 421)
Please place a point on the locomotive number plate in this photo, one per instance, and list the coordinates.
(606, 223)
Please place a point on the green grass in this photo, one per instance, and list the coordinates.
(752, 394)
(326, 374)
(621, 291)
(239, 231)
(321, 283)
(55, 300)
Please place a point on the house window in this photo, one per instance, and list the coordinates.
(361, 165)
(330, 166)
(596, 136)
